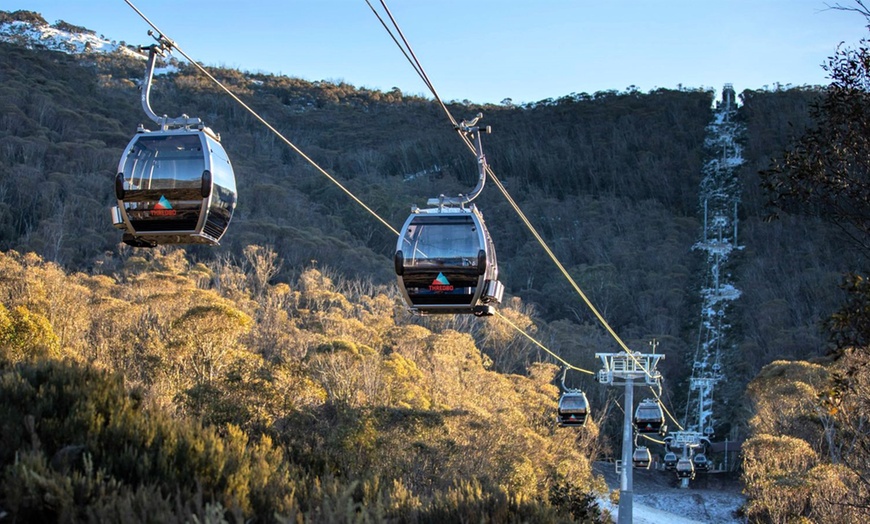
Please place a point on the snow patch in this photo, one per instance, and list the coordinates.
(42, 36)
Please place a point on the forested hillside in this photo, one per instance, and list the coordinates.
(288, 345)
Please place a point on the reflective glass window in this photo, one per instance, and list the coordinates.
(164, 162)
(441, 244)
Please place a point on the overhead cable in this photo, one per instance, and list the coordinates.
(264, 122)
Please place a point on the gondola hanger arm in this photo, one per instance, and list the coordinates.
(162, 46)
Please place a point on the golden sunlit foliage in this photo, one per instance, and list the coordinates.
(185, 390)
(808, 455)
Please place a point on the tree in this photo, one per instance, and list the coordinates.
(776, 472)
(827, 172)
(26, 336)
(204, 336)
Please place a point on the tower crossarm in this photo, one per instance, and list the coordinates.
(622, 366)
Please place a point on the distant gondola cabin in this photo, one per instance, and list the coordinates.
(670, 460)
(649, 417)
(685, 469)
(641, 457)
(573, 408)
(701, 463)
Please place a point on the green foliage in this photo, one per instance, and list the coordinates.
(25, 336)
(776, 474)
(579, 504)
(850, 325)
(826, 173)
(51, 406)
(22, 16)
(807, 455)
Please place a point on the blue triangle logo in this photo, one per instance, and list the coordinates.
(441, 279)
(163, 203)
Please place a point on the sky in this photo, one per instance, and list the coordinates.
(486, 51)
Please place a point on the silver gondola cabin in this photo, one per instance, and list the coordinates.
(573, 408)
(649, 417)
(174, 185)
(445, 262)
(641, 457)
(445, 258)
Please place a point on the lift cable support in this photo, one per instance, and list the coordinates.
(406, 49)
(172, 45)
(623, 369)
(164, 45)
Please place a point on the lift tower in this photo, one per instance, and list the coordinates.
(624, 369)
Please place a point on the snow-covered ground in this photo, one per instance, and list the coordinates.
(43, 36)
(49, 37)
(712, 498)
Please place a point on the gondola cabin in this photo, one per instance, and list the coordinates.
(445, 262)
(670, 461)
(174, 186)
(641, 457)
(700, 462)
(573, 408)
(649, 417)
(685, 469)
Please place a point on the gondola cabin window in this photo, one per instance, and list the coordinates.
(165, 162)
(441, 244)
(573, 403)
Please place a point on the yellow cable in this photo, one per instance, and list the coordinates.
(489, 171)
(662, 404)
(415, 63)
(557, 357)
(267, 124)
(316, 166)
(652, 439)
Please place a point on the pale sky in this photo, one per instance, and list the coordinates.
(489, 50)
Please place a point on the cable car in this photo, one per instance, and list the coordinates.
(445, 258)
(573, 408)
(641, 457)
(700, 462)
(670, 461)
(649, 417)
(445, 262)
(685, 469)
(174, 185)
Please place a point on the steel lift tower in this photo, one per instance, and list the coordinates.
(628, 369)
